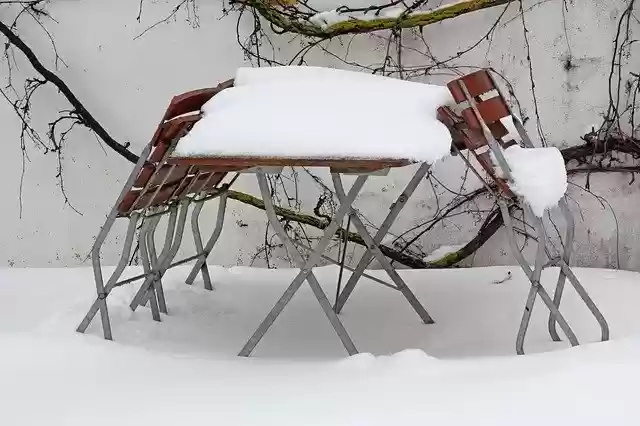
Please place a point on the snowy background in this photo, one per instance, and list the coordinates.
(128, 83)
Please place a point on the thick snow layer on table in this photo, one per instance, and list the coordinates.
(184, 370)
(322, 114)
(540, 176)
(75, 381)
(413, 92)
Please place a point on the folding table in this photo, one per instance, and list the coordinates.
(363, 168)
(163, 184)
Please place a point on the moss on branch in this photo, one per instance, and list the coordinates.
(302, 25)
(488, 229)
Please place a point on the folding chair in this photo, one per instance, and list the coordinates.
(480, 130)
(153, 190)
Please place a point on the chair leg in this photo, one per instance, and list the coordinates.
(153, 258)
(565, 272)
(534, 278)
(568, 248)
(148, 263)
(555, 312)
(582, 292)
(197, 238)
(175, 232)
(143, 244)
(204, 251)
(140, 297)
(526, 317)
(152, 298)
(146, 240)
(100, 304)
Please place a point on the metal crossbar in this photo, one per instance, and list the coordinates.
(366, 258)
(316, 253)
(306, 267)
(347, 267)
(375, 251)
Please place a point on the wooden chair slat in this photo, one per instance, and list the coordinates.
(193, 100)
(477, 83)
(491, 111)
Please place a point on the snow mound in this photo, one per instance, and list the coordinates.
(587, 385)
(539, 175)
(441, 252)
(184, 370)
(410, 91)
(305, 112)
(329, 18)
(332, 17)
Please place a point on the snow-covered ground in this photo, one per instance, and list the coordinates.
(461, 370)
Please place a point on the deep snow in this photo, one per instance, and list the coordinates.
(184, 369)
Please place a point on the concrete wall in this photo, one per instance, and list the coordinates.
(127, 84)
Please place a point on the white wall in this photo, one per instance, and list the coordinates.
(127, 84)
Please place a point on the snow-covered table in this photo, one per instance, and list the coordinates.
(321, 118)
(318, 117)
(269, 118)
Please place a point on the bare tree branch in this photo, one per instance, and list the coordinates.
(292, 20)
(80, 110)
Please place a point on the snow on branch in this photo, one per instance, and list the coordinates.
(344, 20)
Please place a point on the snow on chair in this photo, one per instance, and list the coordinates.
(534, 176)
(156, 189)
